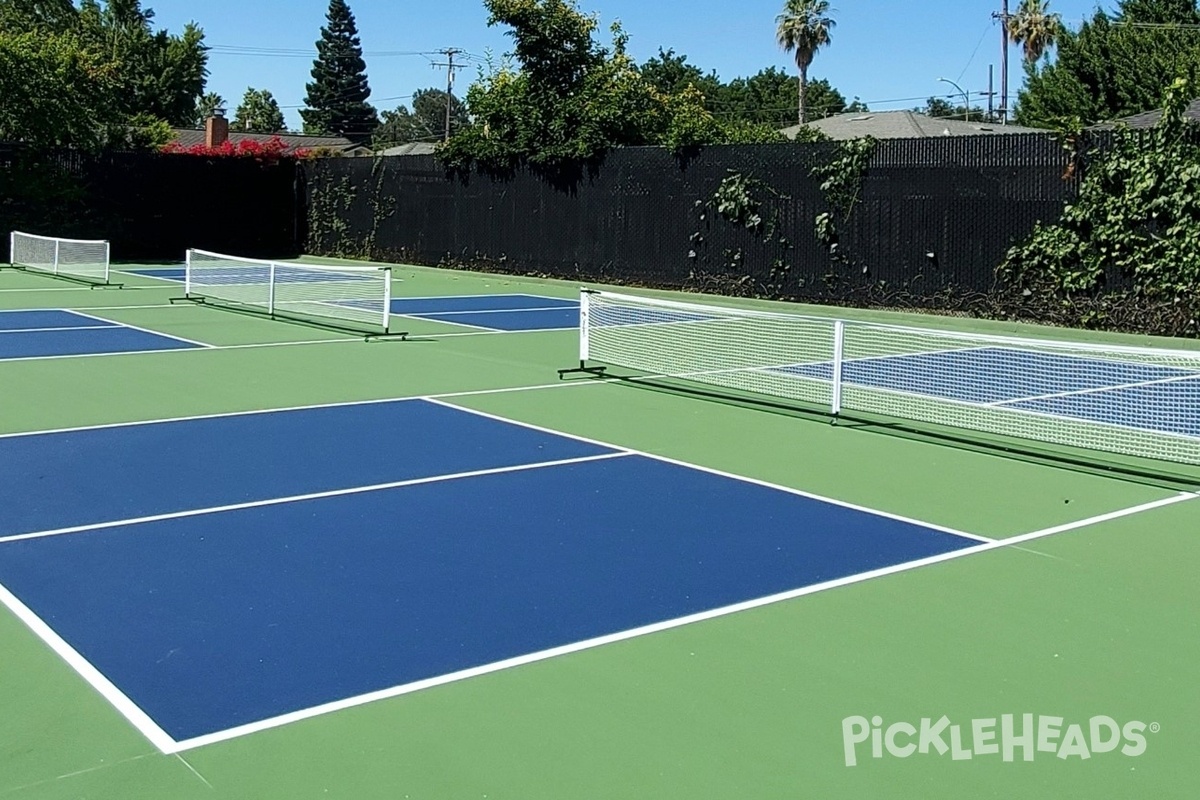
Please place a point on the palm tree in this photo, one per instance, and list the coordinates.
(1034, 28)
(804, 27)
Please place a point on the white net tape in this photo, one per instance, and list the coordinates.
(84, 259)
(359, 296)
(1134, 401)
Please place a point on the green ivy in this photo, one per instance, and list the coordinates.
(841, 184)
(1137, 213)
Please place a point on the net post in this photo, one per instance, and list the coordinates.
(107, 259)
(839, 341)
(585, 306)
(56, 246)
(271, 289)
(387, 299)
(187, 274)
(12, 248)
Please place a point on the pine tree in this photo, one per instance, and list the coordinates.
(337, 97)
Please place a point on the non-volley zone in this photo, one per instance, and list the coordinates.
(317, 558)
(51, 333)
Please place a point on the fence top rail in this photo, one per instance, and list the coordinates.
(983, 338)
(59, 238)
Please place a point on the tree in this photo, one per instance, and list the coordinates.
(258, 113)
(940, 108)
(769, 98)
(41, 15)
(670, 74)
(1113, 66)
(564, 99)
(804, 28)
(765, 98)
(54, 91)
(161, 74)
(1034, 28)
(207, 107)
(337, 97)
(425, 123)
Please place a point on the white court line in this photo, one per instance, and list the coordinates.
(206, 349)
(48, 289)
(688, 465)
(476, 330)
(137, 274)
(141, 329)
(396, 691)
(298, 498)
(114, 326)
(312, 407)
(480, 328)
(71, 310)
(489, 311)
(127, 708)
(475, 296)
(1097, 389)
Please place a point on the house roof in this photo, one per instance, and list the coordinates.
(188, 137)
(901, 125)
(410, 149)
(1149, 119)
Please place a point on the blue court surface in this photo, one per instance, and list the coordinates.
(315, 555)
(166, 273)
(1096, 389)
(52, 332)
(495, 312)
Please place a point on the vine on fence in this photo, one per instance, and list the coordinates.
(841, 185)
(1137, 218)
(740, 200)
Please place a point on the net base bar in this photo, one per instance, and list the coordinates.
(315, 322)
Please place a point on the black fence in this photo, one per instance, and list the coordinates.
(150, 206)
(931, 220)
(932, 217)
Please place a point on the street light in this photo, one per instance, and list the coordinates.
(966, 102)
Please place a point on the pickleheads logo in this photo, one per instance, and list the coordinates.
(1006, 736)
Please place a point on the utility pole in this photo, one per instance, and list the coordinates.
(1003, 16)
(991, 94)
(450, 66)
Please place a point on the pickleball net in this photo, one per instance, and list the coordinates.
(85, 260)
(354, 297)
(1134, 401)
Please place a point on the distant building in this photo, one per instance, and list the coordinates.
(901, 125)
(216, 132)
(410, 149)
(1148, 119)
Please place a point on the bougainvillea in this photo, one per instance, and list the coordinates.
(271, 149)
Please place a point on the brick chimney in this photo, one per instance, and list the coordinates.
(216, 129)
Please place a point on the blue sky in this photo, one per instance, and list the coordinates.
(886, 53)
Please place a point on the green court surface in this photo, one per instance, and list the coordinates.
(1087, 605)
